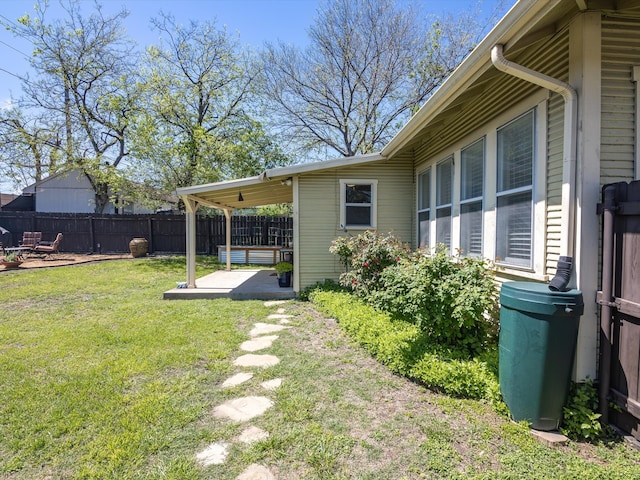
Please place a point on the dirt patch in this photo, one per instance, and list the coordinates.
(60, 259)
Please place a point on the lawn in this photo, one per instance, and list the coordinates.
(100, 378)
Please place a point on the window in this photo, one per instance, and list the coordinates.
(358, 203)
(514, 212)
(444, 201)
(424, 207)
(471, 194)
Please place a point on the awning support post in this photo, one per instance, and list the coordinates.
(191, 208)
(227, 215)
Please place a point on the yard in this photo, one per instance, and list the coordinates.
(100, 378)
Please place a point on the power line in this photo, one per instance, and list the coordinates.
(14, 48)
(12, 74)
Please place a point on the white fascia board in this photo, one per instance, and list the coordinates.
(505, 32)
(209, 187)
(322, 165)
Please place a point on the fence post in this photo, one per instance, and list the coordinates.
(150, 228)
(92, 238)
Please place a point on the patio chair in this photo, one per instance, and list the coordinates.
(31, 239)
(49, 249)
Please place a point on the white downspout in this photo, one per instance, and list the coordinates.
(569, 157)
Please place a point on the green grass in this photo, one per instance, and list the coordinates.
(101, 379)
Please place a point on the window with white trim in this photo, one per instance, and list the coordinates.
(358, 203)
(444, 201)
(471, 197)
(514, 192)
(424, 207)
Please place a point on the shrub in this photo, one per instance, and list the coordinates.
(405, 348)
(365, 256)
(580, 420)
(453, 299)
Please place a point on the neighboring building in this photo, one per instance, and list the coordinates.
(6, 198)
(506, 160)
(71, 192)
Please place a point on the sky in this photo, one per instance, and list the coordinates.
(253, 21)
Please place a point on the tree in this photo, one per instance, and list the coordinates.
(368, 66)
(195, 126)
(83, 71)
(29, 146)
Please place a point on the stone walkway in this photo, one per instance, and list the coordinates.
(244, 409)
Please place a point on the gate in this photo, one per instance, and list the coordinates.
(620, 301)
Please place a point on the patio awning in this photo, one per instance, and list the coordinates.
(243, 193)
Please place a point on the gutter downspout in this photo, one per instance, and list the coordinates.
(569, 157)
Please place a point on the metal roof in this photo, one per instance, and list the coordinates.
(268, 188)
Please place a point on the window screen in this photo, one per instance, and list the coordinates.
(514, 221)
(424, 211)
(444, 200)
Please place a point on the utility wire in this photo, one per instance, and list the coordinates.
(14, 48)
(12, 74)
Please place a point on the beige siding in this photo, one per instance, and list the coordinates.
(620, 52)
(559, 59)
(498, 93)
(319, 212)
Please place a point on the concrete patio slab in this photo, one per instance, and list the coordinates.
(260, 284)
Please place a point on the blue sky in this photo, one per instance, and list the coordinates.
(254, 21)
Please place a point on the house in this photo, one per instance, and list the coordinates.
(506, 160)
(69, 191)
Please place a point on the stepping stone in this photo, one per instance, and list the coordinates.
(284, 321)
(256, 472)
(271, 384)
(243, 409)
(252, 435)
(214, 454)
(258, 343)
(253, 360)
(237, 379)
(281, 310)
(278, 316)
(263, 328)
(273, 303)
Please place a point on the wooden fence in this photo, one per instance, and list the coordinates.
(93, 233)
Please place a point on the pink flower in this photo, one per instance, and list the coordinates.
(355, 282)
(365, 264)
(376, 260)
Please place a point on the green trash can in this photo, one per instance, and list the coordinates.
(538, 336)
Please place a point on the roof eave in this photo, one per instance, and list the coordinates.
(506, 32)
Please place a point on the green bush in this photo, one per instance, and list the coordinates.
(406, 349)
(453, 299)
(580, 420)
(365, 256)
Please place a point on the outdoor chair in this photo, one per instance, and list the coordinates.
(31, 240)
(49, 249)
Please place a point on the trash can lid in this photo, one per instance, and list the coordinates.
(535, 297)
